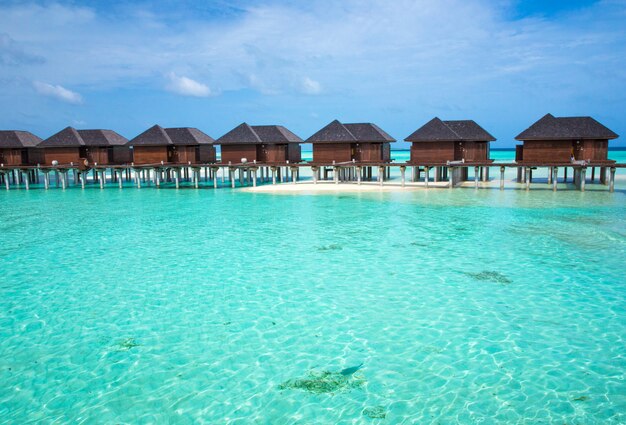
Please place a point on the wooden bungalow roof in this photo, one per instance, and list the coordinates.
(154, 136)
(437, 130)
(102, 138)
(245, 134)
(66, 138)
(336, 132)
(550, 127)
(181, 136)
(16, 139)
(188, 136)
(275, 134)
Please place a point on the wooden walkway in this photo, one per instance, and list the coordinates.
(252, 173)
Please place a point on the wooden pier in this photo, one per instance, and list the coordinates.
(216, 175)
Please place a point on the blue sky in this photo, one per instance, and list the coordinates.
(212, 65)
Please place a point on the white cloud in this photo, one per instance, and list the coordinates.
(310, 86)
(185, 86)
(58, 92)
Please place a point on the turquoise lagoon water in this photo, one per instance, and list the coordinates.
(219, 306)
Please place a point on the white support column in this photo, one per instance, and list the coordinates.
(403, 177)
(63, 180)
(101, 180)
(294, 175)
(231, 174)
(314, 174)
(336, 174)
(583, 177)
(555, 173)
(550, 174)
(475, 177)
(157, 178)
(359, 171)
(7, 183)
(196, 177)
(215, 170)
(177, 178)
(26, 180)
(502, 177)
(273, 175)
(46, 180)
(426, 176)
(612, 179)
(451, 172)
(253, 177)
(138, 178)
(381, 175)
(120, 181)
(527, 176)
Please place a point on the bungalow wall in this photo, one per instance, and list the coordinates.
(62, 155)
(544, 151)
(294, 152)
(101, 155)
(205, 154)
(234, 153)
(150, 154)
(329, 152)
(21, 156)
(432, 152)
(595, 150)
(473, 151)
(369, 152)
(121, 155)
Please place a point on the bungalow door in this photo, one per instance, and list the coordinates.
(578, 150)
(356, 152)
(459, 151)
(172, 154)
(24, 156)
(261, 153)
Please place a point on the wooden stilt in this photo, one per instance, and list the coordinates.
(593, 174)
(564, 174)
(612, 179)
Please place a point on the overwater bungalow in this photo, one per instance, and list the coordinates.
(63, 147)
(266, 144)
(564, 140)
(358, 142)
(88, 147)
(104, 147)
(438, 142)
(19, 148)
(183, 145)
